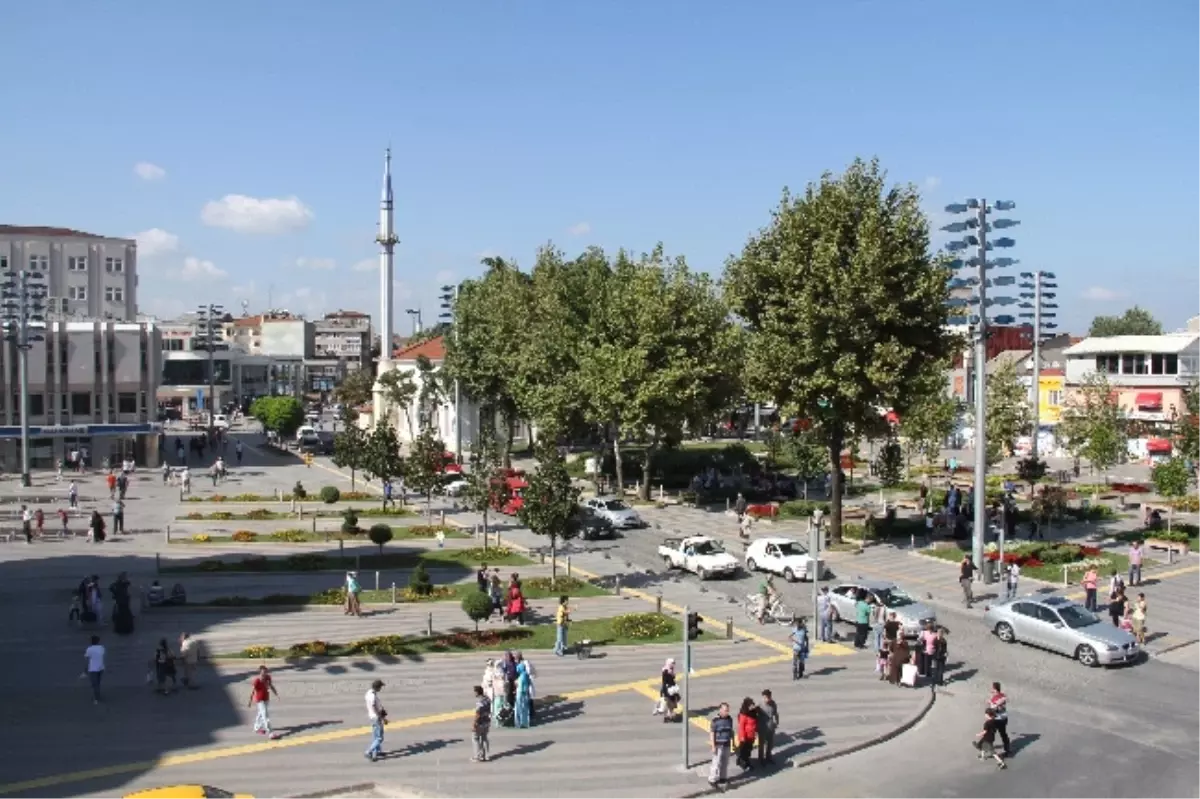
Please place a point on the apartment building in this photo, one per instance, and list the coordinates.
(341, 344)
(1147, 373)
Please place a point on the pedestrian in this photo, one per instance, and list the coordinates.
(668, 693)
(166, 473)
(353, 594)
(64, 518)
(480, 724)
(499, 685)
(898, 657)
(118, 514)
(1090, 579)
(1138, 618)
(966, 573)
(481, 578)
(164, 667)
(387, 494)
(739, 506)
(96, 527)
(1116, 606)
(937, 665)
(1135, 563)
(878, 621)
(496, 593)
(189, 654)
(862, 620)
(824, 616)
(261, 690)
(799, 639)
(1116, 584)
(1013, 575)
(111, 480)
(122, 484)
(27, 523)
(928, 527)
(747, 732)
(237, 452)
(891, 630)
(93, 657)
(985, 740)
(516, 601)
(562, 619)
(720, 736)
(926, 649)
(185, 480)
(73, 495)
(378, 718)
(58, 470)
(524, 696)
(998, 703)
(768, 723)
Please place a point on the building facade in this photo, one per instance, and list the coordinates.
(85, 276)
(1148, 374)
(92, 388)
(341, 345)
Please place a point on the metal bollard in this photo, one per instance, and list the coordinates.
(1065, 582)
(568, 565)
(498, 539)
(168, 533)
(443, 518)
(429, 625)
(393, 593)
(617, 584)
(658, 604)
(729, 627)
(727, 504)
(314, 524)
(1170, 555)
(376, 579)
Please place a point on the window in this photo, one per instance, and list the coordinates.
(1046, 614)
(81, 404)
(1108, 364)
(3, 262)
(114, 266)
(39, 263)
(1133, 364)
(114, 294)
(1164, 364)
(1054, 397)
(77, 263)
(37, 404)
(76, 292)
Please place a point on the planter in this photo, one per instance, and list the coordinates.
(1168, 546)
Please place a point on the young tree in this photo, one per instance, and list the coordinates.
(381, 454)
(430, 395)
(426, 461)
(809, 452)
(1007, 412)
(1094, 425)
(350, 444)
(1031, 469)
(1171, 478)
(1136, 321)
(357, 388)
(551, 502)
(485, 487)
(399, 389)
(380, 534)
(1187, 426)
(929, 422)
(280, 415)
(844, 305)
(889, 463)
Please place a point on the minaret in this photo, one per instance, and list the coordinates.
(387, 244)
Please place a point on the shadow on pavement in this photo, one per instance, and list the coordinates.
(522, 749)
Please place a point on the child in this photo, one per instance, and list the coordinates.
(881, 664)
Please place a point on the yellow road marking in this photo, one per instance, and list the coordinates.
(641, 686)
(695, 719)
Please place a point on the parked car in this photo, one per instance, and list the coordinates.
(783, 556)
(1063, 626)
(455, 488)
(703, 556)
(912, 615)
(593, 526)
(616, 511)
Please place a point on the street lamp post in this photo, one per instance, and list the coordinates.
(23, 295)
(1039, 310)
(449, 297)
(209, 315)
(976, 227)
(415, 315)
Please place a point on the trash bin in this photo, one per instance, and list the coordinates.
(989, 570)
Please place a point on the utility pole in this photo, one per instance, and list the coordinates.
(449, 299)
(22, 306)
(687, 682)
(980, 510)
(1038, 282)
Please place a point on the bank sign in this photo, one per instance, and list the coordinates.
(81, 430)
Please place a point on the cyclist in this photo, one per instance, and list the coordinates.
(767, 597)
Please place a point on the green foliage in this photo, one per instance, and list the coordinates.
(298, 491)
(350, 444)
(429, 395)
(844, 305)
(550, 502)
(889, 463)
(381, 455)
(350, 521)
(1136, 321)
(330, 494)
(486, 487)
(380, 534)
(419, 582)
(1187, 424)
(802, 508)
(426, 460)
(1008, 411)
(809, 453)
(399, 389)
(478, 607)
(1031, 469)
(356, 389)
(1050, 504)
(642, 626)
(929, 422)
(1093, 425)
(281, 415)
(1171, 478)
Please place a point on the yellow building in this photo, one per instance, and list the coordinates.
(1051, 396)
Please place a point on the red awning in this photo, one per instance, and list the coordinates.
(1149, 400)
(1158, 445)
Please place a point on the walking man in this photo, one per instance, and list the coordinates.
(27, 523)
(480, 725)
(768, 722)
(1135, 563)
(188, 655)
(378, 717)
(966, 573)
(720, 740)
(237, 452)
(862, 620)
(118, 513)
(94, 657)
(260, 697)
(73, 495)
(1090, 579)
(824, 616)
(998, 702)
(562, 618)
(799, 638)
(1013, 575)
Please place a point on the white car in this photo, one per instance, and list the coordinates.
(785, 557)
(455, 488)
(220, 421)
(615, 511)
(699, 554)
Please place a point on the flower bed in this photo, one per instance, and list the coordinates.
(346, 496)
(1045, 560)
(762, 511)
(307, 562)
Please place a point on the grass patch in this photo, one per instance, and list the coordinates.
(615, 631)
(1179, 533)
(534, 588)
(420, 532)
(310, 562)
(1045, 560)
(267, 515)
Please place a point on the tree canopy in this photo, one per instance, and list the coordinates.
(280, 415)
(551, 503)
(844, 304)
(426, 460)
(1136, 321)
(350, 444)
(356, 388)
(1008, 412)
(381, 456)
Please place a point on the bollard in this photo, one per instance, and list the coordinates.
(157, 564)
(168, 533)
(429, 625)
(1170, 555)
(442, 517)
(729, 627)
(497, 539)
(278, 495)
(376, 579)
(568, 565)
(661, 495)
(658, 604)
(181, 492)
(393, 593)
(1065, 583)
(617, 584)
(342, 550)
(727, 504)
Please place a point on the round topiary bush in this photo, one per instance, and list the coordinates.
(380, 534)
(330, 494)
(244, 536)
(478, 607)
(642, 626)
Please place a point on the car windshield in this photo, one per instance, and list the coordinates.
(707, 548)
(791, 548)
(894, 598)
(1076, 616)
(616, 504)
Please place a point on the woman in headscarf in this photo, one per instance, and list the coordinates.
(523, 698)
(898, 655)
(498, 684)
(516, 601)
(521, 660)
(668, 692)
(509, 668)
(488, 679)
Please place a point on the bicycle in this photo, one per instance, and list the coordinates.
(777, 611)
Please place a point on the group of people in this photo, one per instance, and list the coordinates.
(1129, 615)
(756, 725)
(509, 603)
(508, 684)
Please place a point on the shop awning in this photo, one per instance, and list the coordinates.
(1149, 400)
(1158, 445)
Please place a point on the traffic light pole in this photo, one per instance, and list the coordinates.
(685, 717)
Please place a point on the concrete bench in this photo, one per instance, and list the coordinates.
(1180, 547)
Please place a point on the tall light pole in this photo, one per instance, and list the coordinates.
(415, 315)
(976, 227)
(208, 317)
(1036, 284)
(449, 298)
(23, 296)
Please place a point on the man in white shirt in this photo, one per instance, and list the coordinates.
(94, 657)
(1014, 575)
(378, 717)
(824, 616)
(27, 523)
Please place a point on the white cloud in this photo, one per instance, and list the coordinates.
(148, 171)
(1101, 294)
(199, 269)
(366, 265)
(444, 277)
(253, 215)
(580, 229)
(932, 182)
(155, 241)
(316, 263)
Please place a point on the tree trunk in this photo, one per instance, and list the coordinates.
(806, 489)
(351, 478)
(617, 459)
(507, 417)
(836, 438)
(647, 471)
(429, 506)
(485, 528)
(553, 561)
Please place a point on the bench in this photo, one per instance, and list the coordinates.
(1180, 547)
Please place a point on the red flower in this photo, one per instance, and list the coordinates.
(1089, 552)
(1031, 562)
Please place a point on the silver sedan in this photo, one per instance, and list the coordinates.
(1061, 625)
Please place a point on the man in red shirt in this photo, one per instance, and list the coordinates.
(260, 696)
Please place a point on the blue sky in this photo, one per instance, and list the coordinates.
(613, 123)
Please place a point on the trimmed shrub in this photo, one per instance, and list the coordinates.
(298, 491)
(419, 582)
(260, 514)
(380, 534)
(641, 626)
(260, 652)
(350, 521)
(202, 538)
(478, 607)
(802, 508)
(244, 536)
(289, 535)
(330, 494)
(310, 649)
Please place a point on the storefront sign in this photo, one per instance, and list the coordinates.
(64, 430)
(61, 430)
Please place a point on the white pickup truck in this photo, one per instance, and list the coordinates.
(699, 554)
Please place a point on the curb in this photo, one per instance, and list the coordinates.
(907, 725)
(360, 787)
(1173, 647)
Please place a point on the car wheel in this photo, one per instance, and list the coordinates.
(702, 574)
(1004, 632)
(668, 564)
(1086, 655)
(751, 565)
(789, 575)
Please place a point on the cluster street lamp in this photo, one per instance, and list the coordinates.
(22, 306)
(449, 297)
(414, 314)
(208, 317)
(976, 225)
(1038, 309)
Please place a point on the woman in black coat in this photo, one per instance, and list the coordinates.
(668, 692)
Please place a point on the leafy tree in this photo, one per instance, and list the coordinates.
(1187, 425)
(350, 444)
(281, 415)
(809, 451)
(426, 461)
(357, 388)
(380, 534)
(889, 463)
(399, 389)
(1094, 425)
(1171, 479)
(929, 422)
(551, 502)
(1136, 321)
(381, 454)
(1031, 469)
(844, 304)
(1008, 412)
(486, 486)
(478, 607)
(430, 395)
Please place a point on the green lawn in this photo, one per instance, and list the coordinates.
(267, 515)
(601, 632)
(309, 562)
(1049, 572)
(534, 588)
(297, 536)
(1179, 532)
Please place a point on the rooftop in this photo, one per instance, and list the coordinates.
(42, 231)
(1165, 344)
(434, 349)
